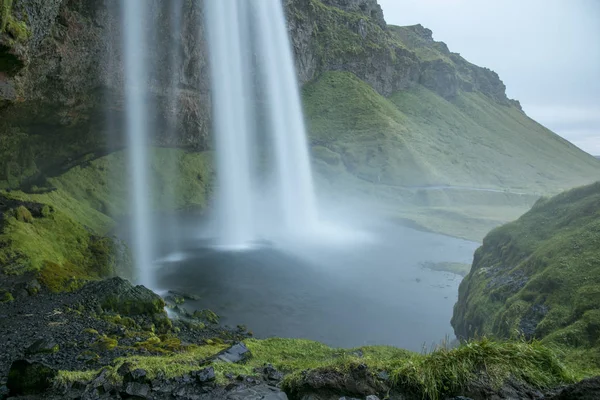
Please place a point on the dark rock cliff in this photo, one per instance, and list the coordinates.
(61, 75)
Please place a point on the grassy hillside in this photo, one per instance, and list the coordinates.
(540, 276)
(427, 156)
(418, 138)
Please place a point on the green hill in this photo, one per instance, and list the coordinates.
(418, 138)
(540, 277)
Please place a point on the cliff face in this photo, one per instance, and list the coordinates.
(61, 74)
(540, 277)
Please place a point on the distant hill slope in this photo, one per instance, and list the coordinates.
(417, 138)
(540, 276)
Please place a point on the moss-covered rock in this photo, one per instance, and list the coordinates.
(540, 277)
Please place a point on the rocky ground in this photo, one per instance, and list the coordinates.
(97, 327)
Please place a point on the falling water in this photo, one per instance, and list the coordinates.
(232, 132)
(234, 28)
(136, 79)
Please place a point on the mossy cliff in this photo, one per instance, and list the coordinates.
(59, 234)
(540, 277)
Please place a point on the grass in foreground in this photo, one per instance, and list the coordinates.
(443, 371)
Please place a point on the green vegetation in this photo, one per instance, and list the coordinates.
(443, 371)
(17, 29)
(64, 242)
(334, 39)
(540, 276)
(390, 150)
(6, 296)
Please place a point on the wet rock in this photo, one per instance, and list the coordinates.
(43, 346)
(118, 295)
(137, 390)
(29, 377)
(588, 389)
(372, 397)
(236, 353)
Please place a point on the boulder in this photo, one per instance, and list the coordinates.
(29, 377)
(236, 353)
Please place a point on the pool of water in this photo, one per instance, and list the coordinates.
(364, 289)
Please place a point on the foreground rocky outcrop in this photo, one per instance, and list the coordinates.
(113, 340)
(540, 277)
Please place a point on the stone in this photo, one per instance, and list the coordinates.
(587, 389)
(236, 353)
(43, 346)
(137, 390)
(372, 397)
(29, 377)
(33, 287)
(271, 374)
(205, 375)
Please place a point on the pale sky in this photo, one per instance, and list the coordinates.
(547, 53)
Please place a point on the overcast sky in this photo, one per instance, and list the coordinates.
(547, 52)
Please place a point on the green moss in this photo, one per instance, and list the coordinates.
(119, 320)
(22, 214)
(106, 343)
(64, 277)
(6, 296)
(18, 30)
(207, 315)
(91, 331)
(5, 13)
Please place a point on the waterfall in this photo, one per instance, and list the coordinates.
(249, 44)
(136, 81)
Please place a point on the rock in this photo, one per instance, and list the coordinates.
(372, 397)
(30, 377)
(205, 375)
(42, 346)
(118, 295)
(184, 295)
(33, 287)
(587, 389)
(260, 392)
(236, 353)
(3, 392)
(358, 382)
(384, 376)
(137, 390)
(137, 375)
(271, 374)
